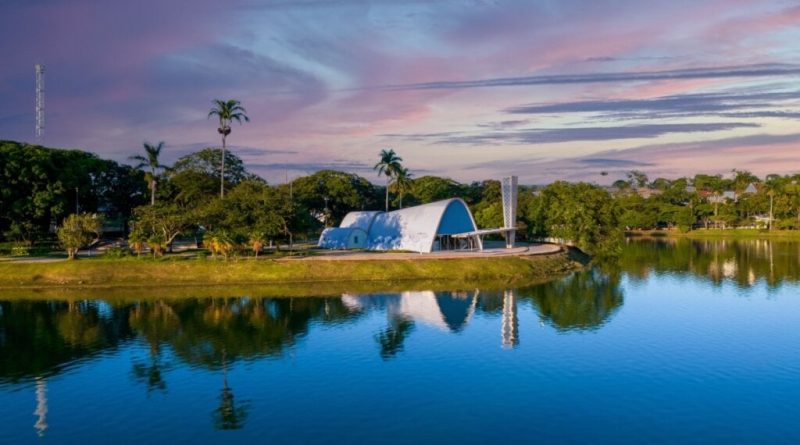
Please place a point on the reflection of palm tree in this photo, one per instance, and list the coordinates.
(228, 416)
(391, 340)
(151, 375)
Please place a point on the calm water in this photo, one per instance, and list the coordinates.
(687, 342)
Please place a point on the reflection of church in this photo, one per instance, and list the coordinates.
(448, 311)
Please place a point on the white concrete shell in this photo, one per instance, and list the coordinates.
(414, 228)
(343, 238)
(360, 220)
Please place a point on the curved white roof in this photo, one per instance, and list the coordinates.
(361, 220)
(338, 237)
(415, 228)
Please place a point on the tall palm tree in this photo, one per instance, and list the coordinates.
(150, 161)
(227, 112)
(402, 183)
(388, 166)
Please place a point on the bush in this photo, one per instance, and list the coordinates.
(20, 251)
(117, 252)
(77, 231)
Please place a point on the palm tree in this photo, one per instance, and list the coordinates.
(388, 166)
(227, 112)
(150, 161)
(402, 183)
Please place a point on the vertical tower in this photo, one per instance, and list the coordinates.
(39, 103)
(509, 191)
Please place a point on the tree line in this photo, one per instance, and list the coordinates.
(709, 201)
(152, 204)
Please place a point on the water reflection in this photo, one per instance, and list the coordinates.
(208, 337)
(583, 301)
(230, 415)
(40, 338)
(742, 261)
(41, 407)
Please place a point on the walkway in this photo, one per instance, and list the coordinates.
(343, 255)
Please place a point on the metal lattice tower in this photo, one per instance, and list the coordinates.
(39, 103)
(509, 191)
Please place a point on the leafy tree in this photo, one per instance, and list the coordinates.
(582, 213)
(160, 224)
(388, 166)
(253, 212)
(637, 179)
(743, 178)
(488, 210)
(227, 111)
(621, 184)
(77, 231)
(329, 194)
(151, 162)
(427, 189)
(196, 175)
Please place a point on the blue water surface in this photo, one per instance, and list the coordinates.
(645, 354)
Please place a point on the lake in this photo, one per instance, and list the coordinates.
(679, 342)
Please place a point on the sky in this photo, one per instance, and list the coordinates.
(469, 89)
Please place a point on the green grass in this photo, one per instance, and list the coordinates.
(724, 234)
(105, 273)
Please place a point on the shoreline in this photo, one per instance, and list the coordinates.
(721, 234)
(133, 275)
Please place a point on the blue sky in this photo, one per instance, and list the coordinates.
(468, 89)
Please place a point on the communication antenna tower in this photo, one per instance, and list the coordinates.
(39, 102)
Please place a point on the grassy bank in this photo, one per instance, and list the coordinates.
(732, 234)
(102, 273)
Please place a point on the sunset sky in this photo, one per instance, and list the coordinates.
(546, 90)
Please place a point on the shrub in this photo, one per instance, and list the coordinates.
(117, 252)
(20, 251)
(77, 231)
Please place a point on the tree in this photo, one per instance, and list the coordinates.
(227, 112)
(388, 165)
(77, 231)
(637, 179)
(195, 175)
(427, 189)
(219, 242)
(402, 183)
(160, 225)
(582, 213)
(39, 186)
(253, 212)
(332, 194)
(151, 162)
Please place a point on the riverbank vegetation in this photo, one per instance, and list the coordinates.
(106, 272)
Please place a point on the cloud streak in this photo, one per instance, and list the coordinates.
(741, 71)
(570, 134)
